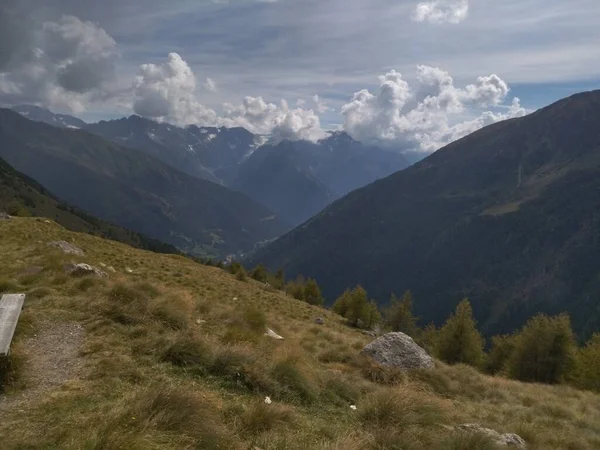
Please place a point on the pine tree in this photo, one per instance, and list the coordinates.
(544, 350)
(358, 311)
(459, 340)
(399, 316)
(341, 304)
(312, 293)
(278, 280)
(586, 373)
(296, 288)
(260, 273)
(500, 353)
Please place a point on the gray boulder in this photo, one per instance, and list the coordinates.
(399, 351)
(319, 321)
(82, 270)
(503, 440)
(4, 216)
(67, 248)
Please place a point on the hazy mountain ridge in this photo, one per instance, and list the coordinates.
(506, 216)
(136, 191)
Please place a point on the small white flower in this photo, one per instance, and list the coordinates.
(268, 400)
(353, 407)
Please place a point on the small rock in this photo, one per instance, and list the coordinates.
(353, 407)
(398, 350)
(200, 321)
(319, 321)
(270, 333)
(234, 299)
(102, 264)
(82, 270)
(504, 440)
(369, 333)
(112, 269)
(268, 400)
(128, 270)
(67, 248)
(47, 221)
(4, 216)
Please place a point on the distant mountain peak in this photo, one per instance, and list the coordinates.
(39, 114)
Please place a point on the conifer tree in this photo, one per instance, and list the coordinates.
(279, 279)
(500, 353)
(358, 311)
(544, 350)
(312, 293)
(459, 341)
(260, 273)
(399, 316)
(586, 373)
(341, 304)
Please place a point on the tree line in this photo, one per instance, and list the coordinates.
(544, 350)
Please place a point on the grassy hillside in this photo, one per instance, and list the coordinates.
(507, 216)
(133, 190)
(22, 195)
(173, 356)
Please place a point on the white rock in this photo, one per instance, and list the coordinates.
(270, 333)
(268, 400)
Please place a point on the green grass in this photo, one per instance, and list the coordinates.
(173, 362)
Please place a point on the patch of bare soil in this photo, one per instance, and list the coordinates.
(52, 359)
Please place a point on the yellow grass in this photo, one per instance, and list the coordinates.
(172, 361)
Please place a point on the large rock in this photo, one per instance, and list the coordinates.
(67, 248)
(399, 351)
(82, 270)
(504, 440)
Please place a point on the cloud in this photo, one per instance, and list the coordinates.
(282, 122)
(429, 114)
(210, 85)
(168, 91)
(442, 11)
(62, 64)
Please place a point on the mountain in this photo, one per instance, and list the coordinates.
(38, 114)
(208, 153)
(133, 190)
(277, 177)
(297, 179)
(508, 216)
(22, 195)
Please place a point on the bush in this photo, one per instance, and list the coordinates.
(500, 353)
(260, 274)
(188, 351)
(544, 350)
(294, 384)
(296, 288)
(260, 417)
(399, 316)
(312, 293)
(459, 342)
(241, 275)
(586, 373)
(355, 306)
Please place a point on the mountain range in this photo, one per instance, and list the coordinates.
(295, 179)
(138, 192)
(508, 217)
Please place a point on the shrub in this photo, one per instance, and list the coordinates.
(247, 325)
(355, 306)
(544, 350)
(172, 312)
(500, 353)
(260, 417)
(296, 288)
(586, 373)
(459, 342)
(400, 408)
(241, 275)
(312, 293)
(294, 384)
(260, 274)
(188, 351)
(399, 316)
(179, 411)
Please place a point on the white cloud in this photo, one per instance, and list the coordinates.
(64, 65)
(442, 11)
(210, 85)
(429, 114)
(168, 92)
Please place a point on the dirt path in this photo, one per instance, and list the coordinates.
(52, 359)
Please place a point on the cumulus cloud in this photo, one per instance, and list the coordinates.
(168, 92)
(429, 114)
(442, 11)
(63, 64)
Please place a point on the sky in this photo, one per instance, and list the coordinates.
(404, 74)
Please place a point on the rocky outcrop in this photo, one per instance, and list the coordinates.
(82, 270)
(399, 351)
(504, 440)
(67, 248)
